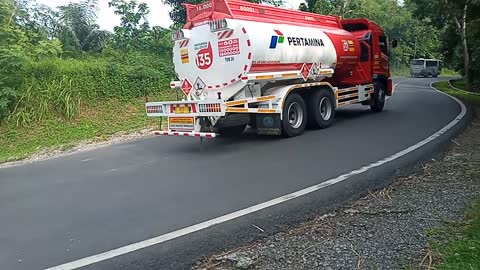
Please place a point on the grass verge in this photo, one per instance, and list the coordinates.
(458, 244)
(405, 72)
(466, 97)
(449, 72)
(96, 121)
(400, 72)
(460, 84)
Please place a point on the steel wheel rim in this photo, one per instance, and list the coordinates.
(295, 115)
(325, 108)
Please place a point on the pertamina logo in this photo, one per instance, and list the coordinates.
(295, 41)
(276, 39)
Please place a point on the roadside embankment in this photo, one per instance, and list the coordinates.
(98, 123)
(62, 104)
(428, 220)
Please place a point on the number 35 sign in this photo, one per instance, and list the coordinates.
(204, 57)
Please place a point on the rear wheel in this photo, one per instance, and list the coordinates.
(321, 109)
(294, 118)
(378, 99)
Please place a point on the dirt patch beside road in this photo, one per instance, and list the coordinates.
(384, 230)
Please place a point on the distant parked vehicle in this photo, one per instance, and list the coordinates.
(425, 67)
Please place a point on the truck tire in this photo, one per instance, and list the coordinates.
(321, 109)
(232, 131)
(378, 99)
(294, 118)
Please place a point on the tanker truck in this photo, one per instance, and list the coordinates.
(276, 70)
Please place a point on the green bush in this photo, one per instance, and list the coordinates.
(12, 63)
(56, 87)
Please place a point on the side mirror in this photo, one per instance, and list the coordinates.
(394, 43)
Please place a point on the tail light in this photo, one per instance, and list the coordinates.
(154, 109)
(210, 108)
(218, 25)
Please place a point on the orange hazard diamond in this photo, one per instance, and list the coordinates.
(186, 87)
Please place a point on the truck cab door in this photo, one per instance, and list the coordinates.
(366, 56)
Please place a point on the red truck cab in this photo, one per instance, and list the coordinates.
(374, 55)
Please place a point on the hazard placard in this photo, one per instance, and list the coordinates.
(199, 86)
(186, 87)
(314, 70)
(305, 71)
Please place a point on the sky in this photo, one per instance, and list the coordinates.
(158, 12)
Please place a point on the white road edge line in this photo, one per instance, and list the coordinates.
(203, 225)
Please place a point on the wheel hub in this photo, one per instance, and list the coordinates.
(325, 108)
(295, 115)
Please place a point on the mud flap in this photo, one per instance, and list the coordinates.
(269, 124)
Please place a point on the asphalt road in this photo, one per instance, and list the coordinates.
(61, 210)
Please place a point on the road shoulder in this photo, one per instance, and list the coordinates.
(387, 229)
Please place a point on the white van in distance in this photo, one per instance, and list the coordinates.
(425, 67)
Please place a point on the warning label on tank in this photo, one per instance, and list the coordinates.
(199, 46)
(184, 56)
(228, 47)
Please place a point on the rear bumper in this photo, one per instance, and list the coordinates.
(186, 134)
(214, 107)
(196, 108)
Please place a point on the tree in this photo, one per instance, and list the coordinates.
(13, 45)
(43, 20)
(416, 37)
(78, 30)
(135, 33)
(159, 41)
(459, 14)
(338, 7)
(134, 27)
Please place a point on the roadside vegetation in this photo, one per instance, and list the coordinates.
(461, 84)
(95, 122)
(458, 243)
(64, 80)
(405, 72)
(469, 98)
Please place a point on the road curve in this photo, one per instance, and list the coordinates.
(61, 210)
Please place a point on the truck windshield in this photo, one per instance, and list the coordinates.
(417, 62)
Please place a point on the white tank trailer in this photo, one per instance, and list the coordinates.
(277, 70)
